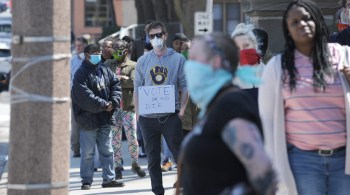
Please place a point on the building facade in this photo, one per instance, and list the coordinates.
(89, 17)
(266, 15)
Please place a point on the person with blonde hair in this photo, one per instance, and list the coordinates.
(250, 63)
(244, 37)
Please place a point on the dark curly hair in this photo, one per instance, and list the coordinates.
(320, 52)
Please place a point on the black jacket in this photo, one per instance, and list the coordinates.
(89, 102)
(342, 37)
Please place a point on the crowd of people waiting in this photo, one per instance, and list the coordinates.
(244, 121)
(257, 123)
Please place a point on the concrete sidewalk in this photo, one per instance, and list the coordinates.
(133, 183)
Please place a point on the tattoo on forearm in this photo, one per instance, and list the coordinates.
(244, 140)
(231, 135)
(253, 128)
(247, 150)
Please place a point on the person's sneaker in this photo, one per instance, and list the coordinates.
(142, 155)
(112, 184)
(86, 186)
(118, 173)
(137, 169)
(168, 166)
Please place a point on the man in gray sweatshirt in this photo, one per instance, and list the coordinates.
(161, 66)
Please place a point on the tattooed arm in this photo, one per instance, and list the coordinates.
(244, 140)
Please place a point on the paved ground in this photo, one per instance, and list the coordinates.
(133, 183)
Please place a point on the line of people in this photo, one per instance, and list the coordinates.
(279, 128)
(107, 100)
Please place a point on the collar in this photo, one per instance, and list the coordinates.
(125, 63)
(87, 64)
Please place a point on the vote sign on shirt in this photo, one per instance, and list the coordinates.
(156, 99)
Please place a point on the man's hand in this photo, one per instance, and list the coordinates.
(109, 106)
(181, 114)
(346, 71)
(123, 77)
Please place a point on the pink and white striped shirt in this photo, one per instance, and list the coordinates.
(314, 120)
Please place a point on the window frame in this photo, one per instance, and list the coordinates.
(101, 14)
(224, 5)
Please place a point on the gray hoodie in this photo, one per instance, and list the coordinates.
(171, 68)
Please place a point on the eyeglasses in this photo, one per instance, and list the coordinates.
(158, 35)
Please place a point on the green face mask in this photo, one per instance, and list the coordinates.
(185, 54)
(119, 54)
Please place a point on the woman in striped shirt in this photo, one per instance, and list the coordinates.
(304, 106)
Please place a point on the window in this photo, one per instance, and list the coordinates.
(5, 53)
(98, 13)
(6, 28)
(217, 17)
(233, 16)
(226, 16)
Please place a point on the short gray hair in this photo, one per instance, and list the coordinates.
(245, 29)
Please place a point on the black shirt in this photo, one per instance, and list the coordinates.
(209, 166)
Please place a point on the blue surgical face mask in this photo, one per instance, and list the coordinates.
(203, 83)
(95, 59)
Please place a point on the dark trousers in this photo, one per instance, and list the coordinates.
(75, 135)
(152, 129)
(140, 137)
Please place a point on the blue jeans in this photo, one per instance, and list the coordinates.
(166, 151)
(97, 163)
(103, 138)
(319, 175)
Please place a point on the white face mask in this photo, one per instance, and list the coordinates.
(157, 43)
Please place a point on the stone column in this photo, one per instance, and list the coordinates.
(267, 15)
(39, 127)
